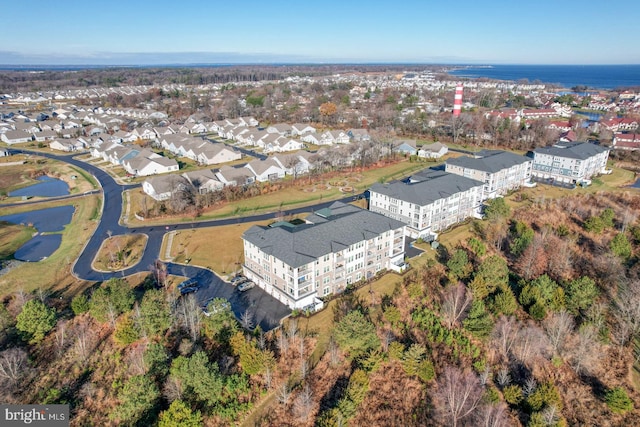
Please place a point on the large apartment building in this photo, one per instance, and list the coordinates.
(335, 247)
(501, 171)
(430, 201)
(570, 162)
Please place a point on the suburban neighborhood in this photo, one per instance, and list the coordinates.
(297, 245)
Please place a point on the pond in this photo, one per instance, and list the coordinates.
(44, 220)
(47, 187)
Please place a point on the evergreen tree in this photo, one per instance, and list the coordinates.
(35, 320)
(478, 322)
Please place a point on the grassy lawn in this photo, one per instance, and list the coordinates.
(120, 252)
(54, 273)
(196, 247)
(13, 236)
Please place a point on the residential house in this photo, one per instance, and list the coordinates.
(212, 153)
(359, 135)
(501, 171)
(146, 162)
(406, 147)
(295, 164)
(311, 138)
(16, 137)
(204, 181)
(335, 247)
(429, 202)
(162, 187)
(332, 137)
(68, 146)
(45, 135)
(299, 129)
(266, 170)
(235, 176)
(626, 141)
(570, 162)
(433, 151)
(283, 144)
(280, 128)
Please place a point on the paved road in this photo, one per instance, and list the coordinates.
(266, 310)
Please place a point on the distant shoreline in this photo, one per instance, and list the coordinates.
(600, 77)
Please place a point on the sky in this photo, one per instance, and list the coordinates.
(161, 32)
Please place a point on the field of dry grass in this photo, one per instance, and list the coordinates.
(217, 248)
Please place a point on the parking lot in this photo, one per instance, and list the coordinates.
(265, 310)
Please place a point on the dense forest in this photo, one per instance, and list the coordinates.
(531, 318)
(33, 80)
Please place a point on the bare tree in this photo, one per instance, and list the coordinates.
(530, 344)
(626, 312)
(172, 389)
(585, 354)
(303, 403)
(247, 320)
(456, 301)
(60, 336)
(529, 386)
(551, 415)
(503, 378)
(457, 396)
(492, 415)
(558, 327)
(13, 364)
(504, 335)
(189, 316)
(85, 340)
(284, 394)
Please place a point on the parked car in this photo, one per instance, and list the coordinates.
(187, 290)
(245, 286)
(238, 279)
(189, 283)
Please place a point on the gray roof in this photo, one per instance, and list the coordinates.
(343, 226)
(491, 161)
(427, 187)
(572, 150)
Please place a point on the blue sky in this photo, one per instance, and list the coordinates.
(162, 32)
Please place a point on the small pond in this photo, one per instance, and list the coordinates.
(47, 187)
(44, 220)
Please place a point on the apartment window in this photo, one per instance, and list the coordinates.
(325, 281)
(326, 291)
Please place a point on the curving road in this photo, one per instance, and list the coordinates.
(265, 310)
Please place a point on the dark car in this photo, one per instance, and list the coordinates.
(245, 286)
(189, 283)
(188, 290)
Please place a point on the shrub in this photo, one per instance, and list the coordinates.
(618, 401)
(80, 304)
(512, 394)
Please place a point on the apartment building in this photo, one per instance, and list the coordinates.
(501, 171)
(570, 162)
(430, 201)
(335, 247)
